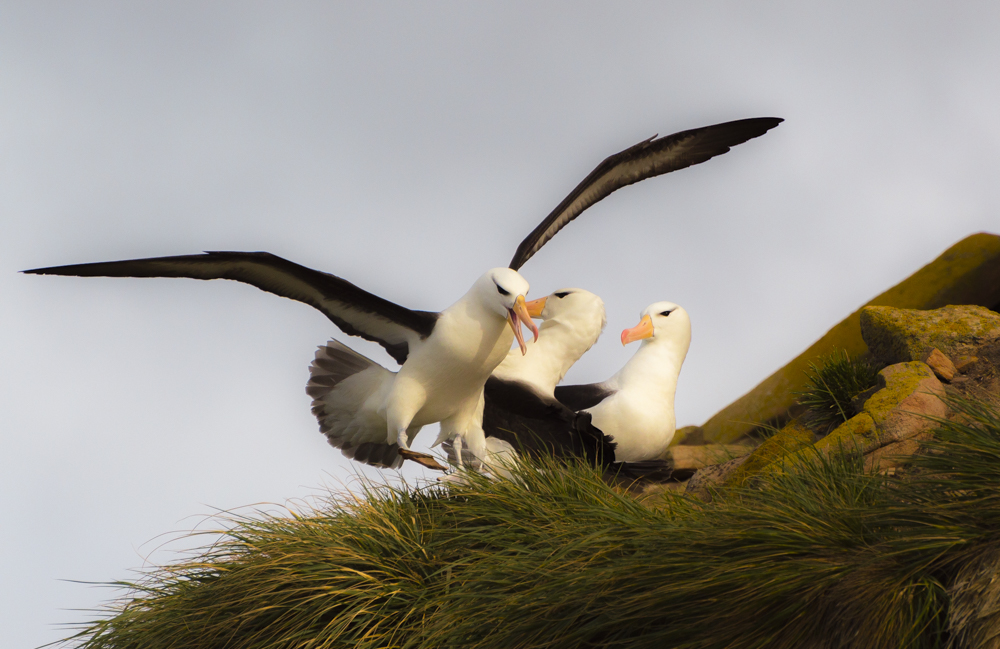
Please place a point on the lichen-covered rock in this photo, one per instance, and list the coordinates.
(892, 456)
(688, 436)
(899, 335)
(786, 441)
(857, 434)
(966, 273)
(687, 458)
(714, 475)
(909, 400)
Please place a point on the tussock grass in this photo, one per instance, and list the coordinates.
(831, 385)
(820, 555)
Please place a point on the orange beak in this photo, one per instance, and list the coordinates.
(535, 307)
(516, 316)
(642, 330)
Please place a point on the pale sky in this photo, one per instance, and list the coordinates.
(408, 148)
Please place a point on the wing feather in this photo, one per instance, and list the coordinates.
(540, 425)
(355, 311)
(581, 397)
(646, 159)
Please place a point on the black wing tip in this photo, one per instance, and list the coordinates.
(749, 128)
(755, 125)
(51, 270)
(772, 121)
(90, 268)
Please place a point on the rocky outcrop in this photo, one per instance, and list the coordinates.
(790, 439)
(953, 349)
(690, 458)
(966, 273)
(909, 399)
(899, 335)
(894, 418)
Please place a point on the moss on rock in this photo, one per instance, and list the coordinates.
(858, 432)
(907, 403)
(905, 406)
(786, 441)
(966, 273)
(899, 335)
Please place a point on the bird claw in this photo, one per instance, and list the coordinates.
(422, 458)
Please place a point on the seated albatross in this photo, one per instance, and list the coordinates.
(635, 407)
(446, 357)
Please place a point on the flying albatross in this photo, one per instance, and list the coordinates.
(445, 357)
(635, 407)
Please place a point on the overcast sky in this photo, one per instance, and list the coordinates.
(408, 150)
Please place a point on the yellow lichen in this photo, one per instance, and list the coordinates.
(789, 439)
(966, 273)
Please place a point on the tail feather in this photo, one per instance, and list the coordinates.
(341, 384)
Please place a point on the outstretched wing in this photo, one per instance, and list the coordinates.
(646, 159)
(355, 311)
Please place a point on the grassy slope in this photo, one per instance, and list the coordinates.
(825, 556)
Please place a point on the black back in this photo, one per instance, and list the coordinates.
(537, 425)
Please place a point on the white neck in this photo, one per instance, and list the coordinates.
(654, 368)
(560, 344)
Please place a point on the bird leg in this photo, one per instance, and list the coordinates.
(422, 459)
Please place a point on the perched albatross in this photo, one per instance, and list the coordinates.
(635, 407)
(446, 357)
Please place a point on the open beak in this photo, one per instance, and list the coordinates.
(535, 307)
(517, 315)
(642, 330)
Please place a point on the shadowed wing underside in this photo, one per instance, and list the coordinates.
(581, 397)
(355, 311)
(646, 159)
(541, 426)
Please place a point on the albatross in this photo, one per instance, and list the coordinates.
(635, 407)
(521, 413)
(519, 405)
(445, 357)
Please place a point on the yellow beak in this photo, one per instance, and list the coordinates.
(642, 330)
(535, 307)
(517, 315)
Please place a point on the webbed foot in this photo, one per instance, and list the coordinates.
(422, 458)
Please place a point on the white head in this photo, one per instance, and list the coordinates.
(661, 321)
(574, 308)
(502, 291)
(573, 321)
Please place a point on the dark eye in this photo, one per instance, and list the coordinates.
(665, 313)
(561, 294)
(502, 291)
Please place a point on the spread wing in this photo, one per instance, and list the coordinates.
(355, 311)
(646, 159)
